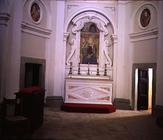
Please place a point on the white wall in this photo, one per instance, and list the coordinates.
(145, 51)
(33, 46)
(159, 86)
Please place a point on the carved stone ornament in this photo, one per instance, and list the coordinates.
(80, 24)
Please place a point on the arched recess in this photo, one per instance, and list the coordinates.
(73, 33)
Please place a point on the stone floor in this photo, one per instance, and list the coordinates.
(120, 125)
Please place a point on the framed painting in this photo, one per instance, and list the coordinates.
(89, 46)
(145, 17)
(35, 12)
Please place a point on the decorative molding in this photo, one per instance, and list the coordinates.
(125, 2)
(102, 14)
(111, 9)
(35, 30)
(4, 18)
(71, 6)
(71, 87)
(145, 35)
(91, 77)
(94, 17)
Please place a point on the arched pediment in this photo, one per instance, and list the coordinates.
(90, 12)
(90, 16)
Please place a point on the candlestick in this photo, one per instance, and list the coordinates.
(105, 71)
(70, 71)
(79, 69)
(97, 69)
(88, 70)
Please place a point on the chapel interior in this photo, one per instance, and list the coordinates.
(81, 69)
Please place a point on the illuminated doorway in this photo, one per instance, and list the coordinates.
(144, 86)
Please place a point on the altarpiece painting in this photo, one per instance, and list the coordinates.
(89, 44)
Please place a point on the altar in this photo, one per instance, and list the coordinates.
(89, 60)
(88, 90)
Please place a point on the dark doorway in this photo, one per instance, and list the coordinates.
(32, 74)
(142, 89)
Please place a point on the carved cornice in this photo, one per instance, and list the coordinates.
(35, 30)
(4, 18)
(144, 35)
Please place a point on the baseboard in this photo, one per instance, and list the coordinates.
(157, 110)
(158, 113)
(123, 104)
(54, 101)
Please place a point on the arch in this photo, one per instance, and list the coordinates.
(95, 10)
(90, 16)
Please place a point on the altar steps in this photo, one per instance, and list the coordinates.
(88, 108)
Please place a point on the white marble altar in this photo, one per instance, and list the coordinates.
(88, 89)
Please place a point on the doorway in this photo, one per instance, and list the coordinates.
(144, 86)
(32, 72)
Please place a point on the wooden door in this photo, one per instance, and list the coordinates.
(32, 74)
(142, 103)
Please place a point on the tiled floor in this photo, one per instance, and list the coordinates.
(120, 125)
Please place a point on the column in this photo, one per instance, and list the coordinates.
(12, 56)
(59, 50)
(4, 19)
